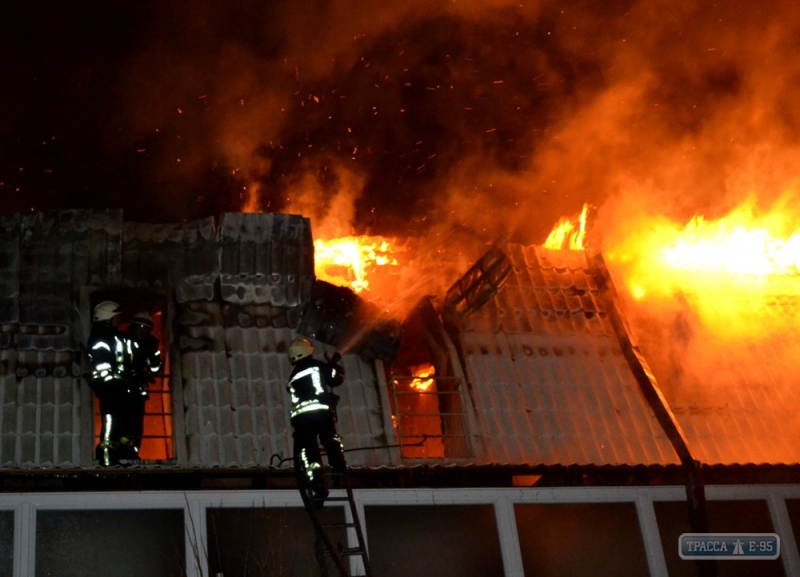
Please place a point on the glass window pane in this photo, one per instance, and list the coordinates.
(446, 540)
(6, 542)
(723, 517)
(100, 543)
(580, 539)
(260, 541)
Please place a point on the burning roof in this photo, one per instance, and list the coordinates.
(547, 373)
(540, 368)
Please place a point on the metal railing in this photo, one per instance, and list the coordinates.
(430, 422)
(158, 438)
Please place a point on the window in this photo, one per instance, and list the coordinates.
(262, 541)
(723, 517)
(441, 540)
(607, 535)
(101, 543)
(428, 414)
(157, 440)
(6, 542)
(429, 404)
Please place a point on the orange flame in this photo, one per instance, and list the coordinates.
(729, 247)
(725, 267)
(349, 261)
(569, 233)
(423, 374)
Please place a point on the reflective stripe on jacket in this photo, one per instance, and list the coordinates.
(308, 386)
(109, 356)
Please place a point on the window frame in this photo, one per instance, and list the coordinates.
(155, 302)
(196, 503)
(458, 444)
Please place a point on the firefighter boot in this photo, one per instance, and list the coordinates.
(335, 452)
(319, 486)
(107, 454)
(127, 450)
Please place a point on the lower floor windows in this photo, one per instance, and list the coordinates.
(116, 542)
(545, 531)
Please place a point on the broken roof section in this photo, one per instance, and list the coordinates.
(548, 379)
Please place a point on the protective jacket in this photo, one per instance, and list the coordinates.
(109, 355)
(308, 386)
(146, 358)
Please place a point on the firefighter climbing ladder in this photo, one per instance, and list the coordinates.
(340, 554)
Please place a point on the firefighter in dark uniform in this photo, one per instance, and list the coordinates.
(109, 356)
(312, 413)
(145, 364)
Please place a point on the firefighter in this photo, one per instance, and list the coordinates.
(109, 358)
(312, 414)
(145, 364)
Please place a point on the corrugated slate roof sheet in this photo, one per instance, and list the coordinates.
(51, 261)
(266, 258)
(180, 255)
(236, 401)
(47, 259)
(548, 380)
(735, 397)
(40, 422)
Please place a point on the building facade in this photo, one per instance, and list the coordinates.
(540, 447)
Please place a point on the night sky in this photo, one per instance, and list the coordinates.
(407, 118)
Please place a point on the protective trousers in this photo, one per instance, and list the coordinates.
(121, 414)
(310, 430)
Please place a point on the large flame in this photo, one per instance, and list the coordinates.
(739, 248)
(728, 268)
(350, 261)
(727, 246)
(569, 233)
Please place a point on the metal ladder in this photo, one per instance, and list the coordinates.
(340, 554)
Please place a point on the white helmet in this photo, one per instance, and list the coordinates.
(143, 318)
(106, 310)
(300, 349)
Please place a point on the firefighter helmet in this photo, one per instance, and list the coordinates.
(143, 319)
(105, 311)
(300, 349)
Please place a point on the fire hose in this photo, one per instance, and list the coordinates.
(282, 460)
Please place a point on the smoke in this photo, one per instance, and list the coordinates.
(481, 117)
(444, 123)
(450, 122)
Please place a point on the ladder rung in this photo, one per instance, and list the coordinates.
(339, 524)
(344, 551)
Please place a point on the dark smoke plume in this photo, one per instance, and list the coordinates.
(466, 118)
